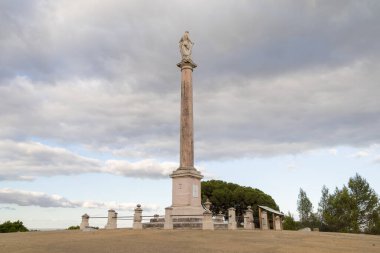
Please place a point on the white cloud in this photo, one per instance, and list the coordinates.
(29, 198)
(377, 159)
(361, 154)
(118, 206)
(333, 151)
(28, 160)
(144, 169)
(292, 167)
(25, 198)
(7, 208)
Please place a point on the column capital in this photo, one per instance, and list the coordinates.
(187, 64)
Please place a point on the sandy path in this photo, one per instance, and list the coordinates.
(198, 241)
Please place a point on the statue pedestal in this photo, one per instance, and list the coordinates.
(186, 192)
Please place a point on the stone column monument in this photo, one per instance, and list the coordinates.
(186, 191)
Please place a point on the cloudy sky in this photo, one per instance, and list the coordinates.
(286, 95)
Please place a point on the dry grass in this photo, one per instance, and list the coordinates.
(124, 240)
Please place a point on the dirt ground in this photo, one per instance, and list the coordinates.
(198, 241)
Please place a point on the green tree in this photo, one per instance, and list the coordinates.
(224, 195)
(9, 227)
(366, 204)
(354, 208)
(73, 228)
(339, 212)
(374, 227)
(322, 207)
(289, 222)
(305, 208)
(314, 221)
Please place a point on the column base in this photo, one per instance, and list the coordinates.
(187, 210)
(186, 172)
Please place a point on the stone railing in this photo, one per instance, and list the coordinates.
(111, 220)
(204, 221)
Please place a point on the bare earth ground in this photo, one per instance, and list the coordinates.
(198, 241)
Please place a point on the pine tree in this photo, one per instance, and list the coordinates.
(322, 207)
(366, 204)
(305, 208)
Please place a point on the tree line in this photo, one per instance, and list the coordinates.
(355, 208)
(224, 195)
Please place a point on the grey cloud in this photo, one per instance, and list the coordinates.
(304, 110)
(28, 198)
(70, 110)
(8, 208)
(273, 77)
(135, 39)
(24, 198)
(28, 160)
(24, 161)
(145, 168)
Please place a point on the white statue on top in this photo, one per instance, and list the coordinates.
(185, 46)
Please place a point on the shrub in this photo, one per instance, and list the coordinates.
(9, 227)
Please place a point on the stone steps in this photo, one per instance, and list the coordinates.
(220, 226)
(187, 225)
(182, 223)
(187, 220)
(153, 225)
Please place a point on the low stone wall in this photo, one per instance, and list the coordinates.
(153, 225)
(206, 221)
(220, 226)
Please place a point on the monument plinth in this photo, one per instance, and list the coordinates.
(186, 186)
